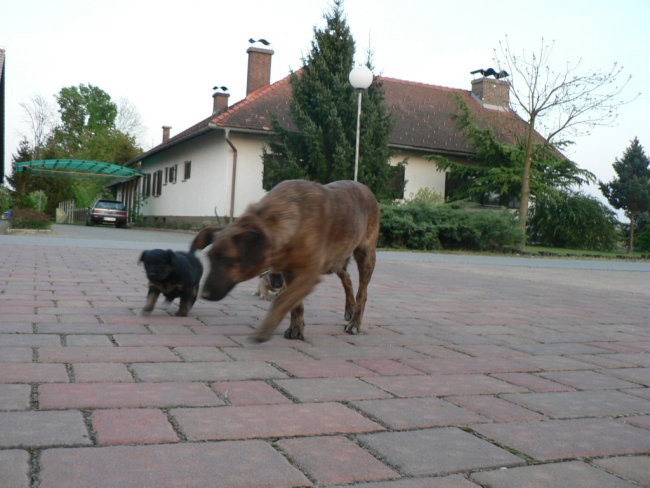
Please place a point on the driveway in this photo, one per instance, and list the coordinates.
(471, 371)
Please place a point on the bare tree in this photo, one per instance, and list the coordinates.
(563, 102)
(41, 119)
(128, 120)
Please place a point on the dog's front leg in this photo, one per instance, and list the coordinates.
(152, 298)
(298, 287)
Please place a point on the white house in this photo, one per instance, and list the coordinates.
(215, 166)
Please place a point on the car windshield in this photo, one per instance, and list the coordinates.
(110, 205)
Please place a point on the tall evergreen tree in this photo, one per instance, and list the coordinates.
(630, 190)
(323, 109)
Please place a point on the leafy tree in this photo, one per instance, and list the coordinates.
(630, 190)
(557, 102)
(572, 220)
(499, 165)
(323, 109)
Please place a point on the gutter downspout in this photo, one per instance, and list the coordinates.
(234, 174)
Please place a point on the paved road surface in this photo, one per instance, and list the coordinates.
(471, 372)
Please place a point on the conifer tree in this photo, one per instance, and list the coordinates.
(323, 107)
(630, 190)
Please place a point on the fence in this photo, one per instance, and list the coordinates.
(68, 213)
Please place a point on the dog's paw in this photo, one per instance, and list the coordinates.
(352, 328)
(294, 334)
(146, 311)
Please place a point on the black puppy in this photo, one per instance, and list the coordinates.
(174, 274)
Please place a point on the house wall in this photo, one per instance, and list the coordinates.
(420, 173)
(208, 190)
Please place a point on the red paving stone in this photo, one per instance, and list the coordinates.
(329, 460)
(132, 426)
(115, 395)
(464, 367)
(265, 421)
(249, 393)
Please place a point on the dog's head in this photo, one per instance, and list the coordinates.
(204, 238)
(237, 254)
(158, 263)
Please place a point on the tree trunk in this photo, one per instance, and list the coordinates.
(630, 249)
(525, 182)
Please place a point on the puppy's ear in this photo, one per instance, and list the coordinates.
(252, 246)
(170, 256)
(143, 256)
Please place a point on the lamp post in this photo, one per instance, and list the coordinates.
(360, 78)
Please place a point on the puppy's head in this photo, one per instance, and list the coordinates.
(237, 254)
(158, 263)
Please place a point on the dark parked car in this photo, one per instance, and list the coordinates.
(107, 212)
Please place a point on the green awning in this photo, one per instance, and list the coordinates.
(78, 168)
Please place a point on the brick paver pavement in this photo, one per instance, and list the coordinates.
(470, 372)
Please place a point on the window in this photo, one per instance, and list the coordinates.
(397, 181)
(173, 173)
(187, 170)
(157, 183)
(146, 185)
(166, 175)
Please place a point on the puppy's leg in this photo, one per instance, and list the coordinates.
(187, 299)
(152, 298)
(297, 325)
(365, 259)
(344, 276)
(298, 287)
(263, 287)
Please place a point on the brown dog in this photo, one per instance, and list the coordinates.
(301, 229)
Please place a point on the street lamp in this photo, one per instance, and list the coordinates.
(360, 78)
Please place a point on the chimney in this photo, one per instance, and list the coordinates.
(219, 102)
(166, 129)
(491, 92)
(259, 68)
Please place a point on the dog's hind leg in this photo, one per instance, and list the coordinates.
(344, 276)
(365, 259)
(290, 299)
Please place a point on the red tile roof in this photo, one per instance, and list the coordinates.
(422, 116)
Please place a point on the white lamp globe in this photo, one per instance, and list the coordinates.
(360, 77)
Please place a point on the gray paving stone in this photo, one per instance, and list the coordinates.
(242, 464)
(411, 413)
(437, 451)
(572, 474)
(14, 469)
(575, 404)
(18, 429)
(635, 468)
(566, 439)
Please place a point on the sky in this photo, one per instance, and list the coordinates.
(165, 56)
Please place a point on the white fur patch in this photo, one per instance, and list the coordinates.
(202, 256)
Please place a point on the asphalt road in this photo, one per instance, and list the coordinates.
(105, 237)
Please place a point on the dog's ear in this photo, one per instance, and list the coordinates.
(252, 246)
(170, 256)
(143, 256)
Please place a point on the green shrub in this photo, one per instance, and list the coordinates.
(573, 221)
(643, 240)
(424, 226)
(26, 218)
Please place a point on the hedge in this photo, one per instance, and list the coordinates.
(418, 225)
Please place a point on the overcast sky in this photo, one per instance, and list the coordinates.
(165, 56)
